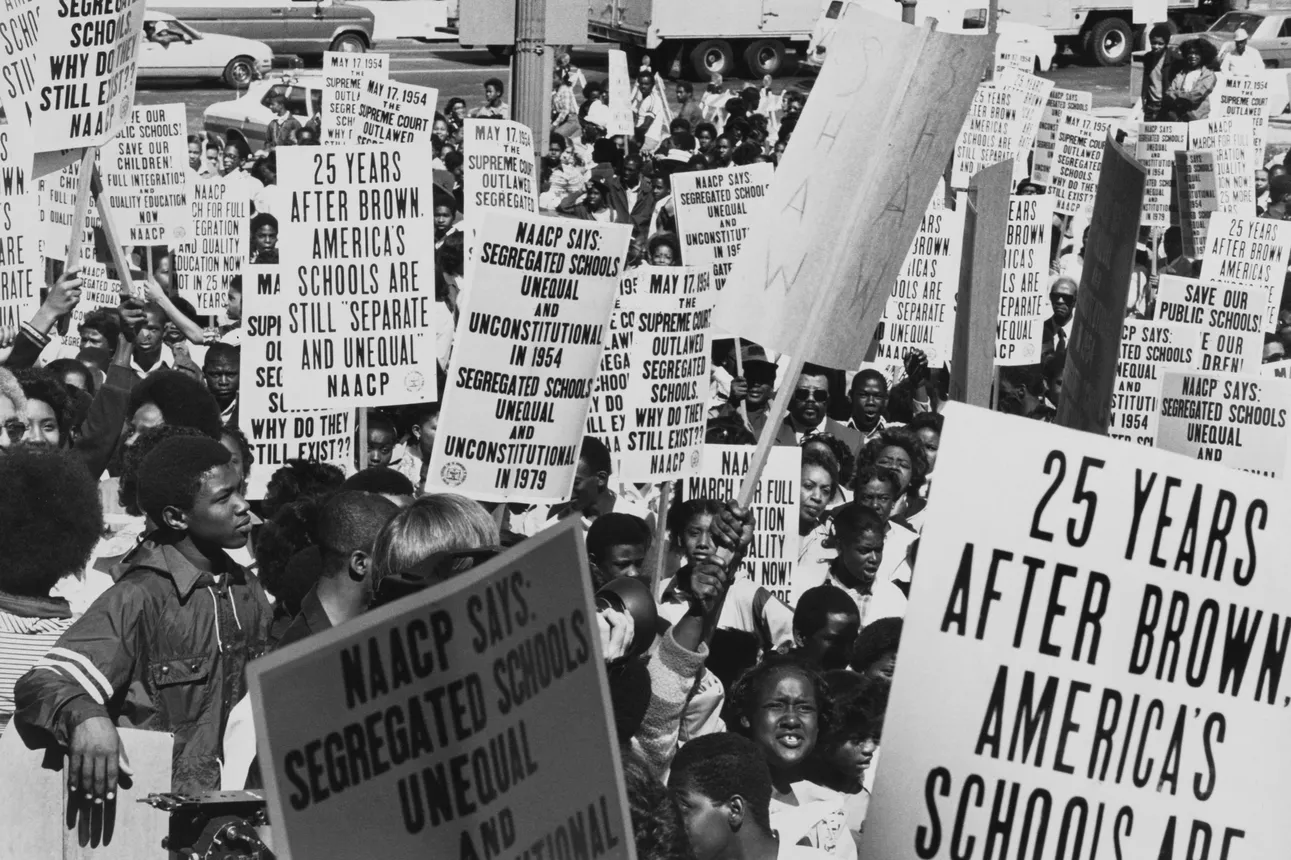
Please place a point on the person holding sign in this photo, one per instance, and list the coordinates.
(1187, 97)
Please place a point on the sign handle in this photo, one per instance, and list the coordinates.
(739, 371)
(79, 215)
(119, 258)
(661, 544)
(363, 442)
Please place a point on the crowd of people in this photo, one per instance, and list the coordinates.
(138, 581)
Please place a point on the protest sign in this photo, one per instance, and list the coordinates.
(525, 357)
(20, 21)
(1158, 142)
(21, 269)
(620, 89)
(360, 326)
(1229, 316)
(1078, 156)
(482, 705)
(977, 303)
(1237, 420)
(1013, 61)
(1232, 140)
(1148, 349)
(1028, 94)
(343, 83)
(794, 286)
(1246, 96)
(989, 135)
(499, 172)
(1024, 286)
(920, 310)
(667, 396)
(1110, 640)
(392, 113)
(1277, 369)
(56, 208)
(1089, 375)
(216, 252)
(85, 74)
(773, 555)
(145, 176)
(1248, 251)
(607, 410)
(715, 210)
(1046, 138)
(1194, 179)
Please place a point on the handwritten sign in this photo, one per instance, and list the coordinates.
(343, 82)
(1024, 285)
(391, 113)
(1046, 138)
(526, 355)
(216, 251)
(1158, 142)
(145, 176)
(1248, 251)
(21, 270)
(1237, 420)
(1198, 198)
(773, 554)
(1229, 316)
(989, 134)
(20, 20)
(1078, 156)
(1148, 349)
(715, 210)
(499, 172)
(466, 700)
(1232, 140)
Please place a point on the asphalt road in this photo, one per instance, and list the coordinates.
(455, 71)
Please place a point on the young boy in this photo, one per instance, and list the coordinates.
(723, 787)
(616, 546)
(151, 652)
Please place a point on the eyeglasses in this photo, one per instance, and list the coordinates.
(802, 395)
(15, 430)
(1062, 297)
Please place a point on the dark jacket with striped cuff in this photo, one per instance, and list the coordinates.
(164, 649)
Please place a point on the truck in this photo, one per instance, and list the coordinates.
(709, 37)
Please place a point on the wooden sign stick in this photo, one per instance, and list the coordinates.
(117, 250)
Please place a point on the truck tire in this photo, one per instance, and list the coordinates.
(349, 43)
(1110, 42)
(764, 57)
(712, 56)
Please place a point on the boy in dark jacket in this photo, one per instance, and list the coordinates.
(165, 648)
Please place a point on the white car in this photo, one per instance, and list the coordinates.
(248, 116)
(172, 49)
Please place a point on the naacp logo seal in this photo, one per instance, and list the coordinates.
(694, 459)
(453, 474)
(414, 382)
(180, 233)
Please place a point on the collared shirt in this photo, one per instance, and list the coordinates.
(1245, 63)
(311, 619)
(228, 416)
(165, 361)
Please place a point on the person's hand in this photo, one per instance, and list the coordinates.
(65, 294)
(732, 528)
(739, 390)
(617, 630)
(132, 316)
(153, 289)
(95, 759)
(707, 585)
(916, 367)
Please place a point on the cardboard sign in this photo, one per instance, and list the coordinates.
(56, 195)
(667, 395)
(620, 89)
(21, 269)
(145, 175)
(1229, 316)
(1248, 96)
(320, 435)
(795, 286)
(1237, 420)
(989, 135)
(1277, 369)
(1194, 174)
(86, 72)
(1078, 157)
(1148, 349)
(390, 113)
(1158, 142)
(359, 271)
(607, 416)
(920, 311)
(1248, 251)
(715, 210)
(1046, 138)
(977, 303)
(525, 357)
(499, 173)
(1024, 286)
(1029, 94)
(1011, 61)
(18, 60)
(1106, 661)
(344, 78)
(481, 705)
(772, 556)
(1232, 140)
(216, 251)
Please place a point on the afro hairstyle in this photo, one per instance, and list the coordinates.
(301, 479)
(722, 765)
(182, 400)
(878, 638)
(133, 456)
(50, 519)
(44, 386)
(657, 827)
(171, 475)
(61, 367)
(616, 529)
(381, 480)
(293, 528)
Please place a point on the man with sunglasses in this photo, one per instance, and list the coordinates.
(808, 409)
(1057, 329)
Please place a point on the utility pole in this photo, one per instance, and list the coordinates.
(531, 77)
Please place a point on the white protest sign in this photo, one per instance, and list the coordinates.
(620, 90)
(145, 175)
(1013, 61)
(607, 410)
(989, 134)
(1148, 349)
(1046, 138)
(343, 82)
(773, 555)
(499, 171)
(1229, 316)
(1028, 96)
(920, 311)
(1109, 633)
(1077, 162)
(20, 22)
(1232, 141)
(1157, 144)
(56, 208)
(392, 113)
(525, 357)
(667, 396)
(1237, 420)
(715, 209)
(216, 251)
(360, 273)
(1197, 199)
(85, 74)
(1248, 251)
(1277, 369)
(482, 705)
(1024, 285)
(21, 269)
(1248, 96)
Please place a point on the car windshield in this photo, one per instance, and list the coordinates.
(1234, 21)
(188, 31)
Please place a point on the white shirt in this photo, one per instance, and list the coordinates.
(817, 817)
(1242, 64)
(165, 361)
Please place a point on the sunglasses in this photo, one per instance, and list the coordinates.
(1062, 297)
(802, 395)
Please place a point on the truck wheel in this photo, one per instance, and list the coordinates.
(239, 73)
(712, 56)
(1110, 42)
(764, 57)
(502, 52)
(349, 43)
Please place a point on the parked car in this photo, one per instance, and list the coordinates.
(172, 49)
(247, 117)
(303, 27)
(1270, 34)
